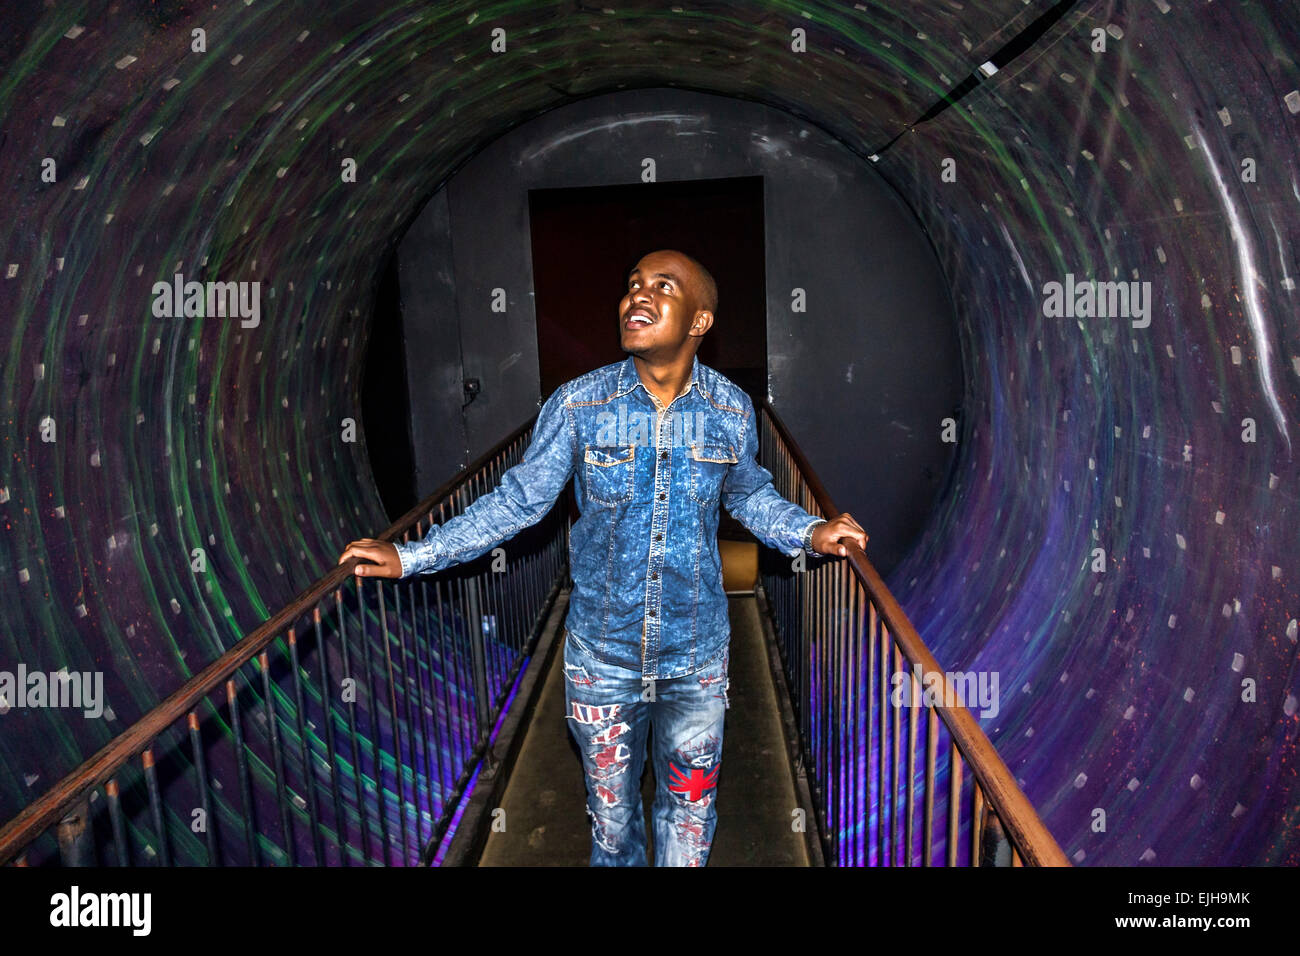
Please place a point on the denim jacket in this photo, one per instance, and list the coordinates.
(647, 578)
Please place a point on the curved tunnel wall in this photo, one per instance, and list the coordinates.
(1122, 689)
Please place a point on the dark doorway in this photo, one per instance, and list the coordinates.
(585, 240)
(385, 399)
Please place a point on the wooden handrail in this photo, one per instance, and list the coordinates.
(51, 806)
(1027, 831)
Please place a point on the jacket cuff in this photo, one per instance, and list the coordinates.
(402, 556)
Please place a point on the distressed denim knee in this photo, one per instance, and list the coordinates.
(688, 724)
(607, 721)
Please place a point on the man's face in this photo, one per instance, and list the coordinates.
(660, 312)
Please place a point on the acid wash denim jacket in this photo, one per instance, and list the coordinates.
(647, 578)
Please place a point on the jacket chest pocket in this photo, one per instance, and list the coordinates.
(609, 473)
(708, 466)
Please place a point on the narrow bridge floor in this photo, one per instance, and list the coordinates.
(544, 799)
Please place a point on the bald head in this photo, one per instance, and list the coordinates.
(705, 287)
(700, 280)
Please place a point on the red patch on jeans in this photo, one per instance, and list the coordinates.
(693, 784)
(607, 756)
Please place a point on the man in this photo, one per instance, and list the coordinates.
(655, 443)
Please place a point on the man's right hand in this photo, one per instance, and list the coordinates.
(384, 555)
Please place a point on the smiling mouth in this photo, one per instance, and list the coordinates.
(637, 320)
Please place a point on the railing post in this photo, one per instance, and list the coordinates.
(76, 843)
(478, 662)
(995, 848)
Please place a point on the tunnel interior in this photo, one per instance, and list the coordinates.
(1104, 186)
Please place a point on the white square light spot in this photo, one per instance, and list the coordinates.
(1292, 101)
(127, 60)
(987, 68)
(1188, 695)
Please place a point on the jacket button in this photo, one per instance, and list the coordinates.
(661, 496)
(654, 575)
(659, 537)
(663, 454)
(651, 612)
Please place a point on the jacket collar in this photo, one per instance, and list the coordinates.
(628, 378)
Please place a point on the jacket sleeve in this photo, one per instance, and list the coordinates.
(750, 498)
(526, 493)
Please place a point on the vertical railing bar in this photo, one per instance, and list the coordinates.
(111, 792)
(376, 750)
(155, 805)
(304, 750)
(241, 768)
(396, 721)
(873, 796)
(410, 760)
(882, 783)
(205, 790)
(861, 740)
(954, 800)
(449, 672)
(976, 824)
(931, 754)
(843, 729)
(467, 681)
(491, 636)
(435, 673)
(895, 759)
(913, 715)
(327, 715)
(363, 818)
(428, 721)
(277, 758)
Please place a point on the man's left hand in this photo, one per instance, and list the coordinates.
(834, 536)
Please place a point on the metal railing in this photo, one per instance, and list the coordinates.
(343, 731)
(846, 647)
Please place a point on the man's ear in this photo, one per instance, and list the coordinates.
(702, 323)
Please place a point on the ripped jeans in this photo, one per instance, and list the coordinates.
(610, 712)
